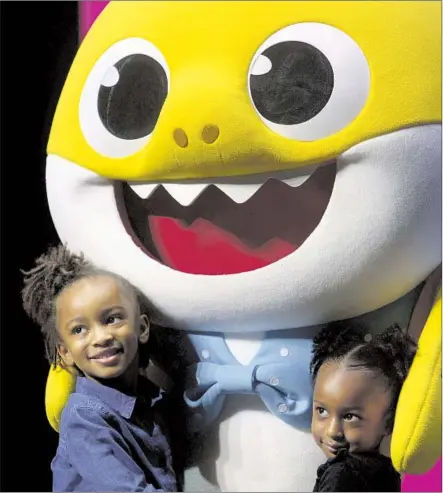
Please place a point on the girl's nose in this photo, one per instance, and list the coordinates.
(335, 430)
(102, 336)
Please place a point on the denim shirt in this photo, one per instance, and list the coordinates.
(110, 441)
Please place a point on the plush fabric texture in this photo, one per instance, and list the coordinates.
(414, 447)
(59, 386)
(383, 219)
(212, 77)
(130, 108)
(297, 87)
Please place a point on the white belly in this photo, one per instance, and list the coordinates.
(259, 452)
(253, 450)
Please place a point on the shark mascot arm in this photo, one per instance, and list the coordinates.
(258, 169)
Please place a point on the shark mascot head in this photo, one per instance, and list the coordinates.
(259, 169)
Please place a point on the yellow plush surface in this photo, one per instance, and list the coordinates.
(209, 46)
(59, 386)
(418, 416)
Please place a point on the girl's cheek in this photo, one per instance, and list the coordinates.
(317, 430)
(353, 435)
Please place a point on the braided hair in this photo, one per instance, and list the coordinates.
(53, 272)
(390, 354)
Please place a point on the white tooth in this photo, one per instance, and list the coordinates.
(239, 192)
(243, 188)
(143, 190)
(185, 193)
(296, 181)
(246, 186)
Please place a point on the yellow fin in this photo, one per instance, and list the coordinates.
(417, 440)
(59, 386)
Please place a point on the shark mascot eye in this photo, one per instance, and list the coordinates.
(308, 81)
(260, 169)
(123, 97)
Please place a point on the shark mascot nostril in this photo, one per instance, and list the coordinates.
(257, 170)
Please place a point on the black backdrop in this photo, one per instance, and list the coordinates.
(38, 44)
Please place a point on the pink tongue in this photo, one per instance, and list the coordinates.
(204, 248)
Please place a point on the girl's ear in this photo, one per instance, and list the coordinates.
(65, 356)
(144, 329)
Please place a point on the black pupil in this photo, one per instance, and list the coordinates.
(297, 87)
(130, 108)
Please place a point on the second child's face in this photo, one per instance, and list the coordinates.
(350, 409)
(99, 328)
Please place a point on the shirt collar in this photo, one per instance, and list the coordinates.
(123, 403)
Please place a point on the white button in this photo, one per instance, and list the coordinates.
(284, 352)
(205, 353)
(274, 381)
(282, 408)
(368, 337)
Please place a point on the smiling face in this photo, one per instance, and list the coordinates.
(100, 329)
(277, 175)
(350, 409)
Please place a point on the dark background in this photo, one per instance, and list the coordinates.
(38, 44)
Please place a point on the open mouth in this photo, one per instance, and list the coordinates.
(107, 353)
(108, 357)
(226, 226)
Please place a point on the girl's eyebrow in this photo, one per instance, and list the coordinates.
(111, 309)
(318, 402)
(348, 409)
(345, 409)
(76, 320)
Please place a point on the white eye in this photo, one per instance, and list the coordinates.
(123, 97)
(308, 81)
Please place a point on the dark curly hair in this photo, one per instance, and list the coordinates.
(390, 354)
(53, 272)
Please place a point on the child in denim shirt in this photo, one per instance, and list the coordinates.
(111, 436)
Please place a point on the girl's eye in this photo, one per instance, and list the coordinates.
(350, 417)
(321, 411)
(114, 319)
(78, 330)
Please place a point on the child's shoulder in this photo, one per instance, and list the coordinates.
(364, 462)
(79, 405)
(376, 471)
(358, 472)
(368, 460)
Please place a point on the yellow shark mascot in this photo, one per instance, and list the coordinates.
(259, 169)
